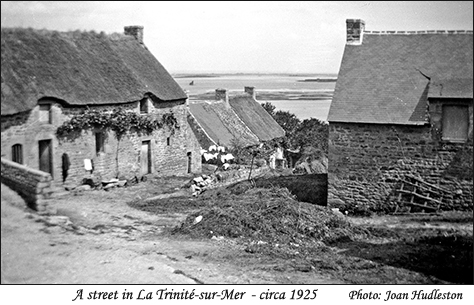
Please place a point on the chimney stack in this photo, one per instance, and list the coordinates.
(251, 91)
(355, 31)
(135, 31)
(221, 95)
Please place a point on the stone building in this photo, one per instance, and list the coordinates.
(402, 109)
(238, 118)
(48, 77)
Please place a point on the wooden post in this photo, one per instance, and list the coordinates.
(251, 166)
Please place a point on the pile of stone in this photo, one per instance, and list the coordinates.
(96, 183)
(113, 183)
(199, 184)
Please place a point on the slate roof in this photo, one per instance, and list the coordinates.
(80, 68)
(390, 76)
(451, 88)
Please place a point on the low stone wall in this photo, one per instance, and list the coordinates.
(231, 177)
(32, 185)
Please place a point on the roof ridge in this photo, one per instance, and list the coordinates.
(68, 33)
(419, 32)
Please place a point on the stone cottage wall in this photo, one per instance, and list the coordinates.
(120, 158)
(173, 146)
(366, 160)
(27, 129)
(32, 185)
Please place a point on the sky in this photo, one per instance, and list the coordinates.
(241, 36)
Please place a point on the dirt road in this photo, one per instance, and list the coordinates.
(116, 237)
(96, 238)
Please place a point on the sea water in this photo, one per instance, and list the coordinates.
(294, 93)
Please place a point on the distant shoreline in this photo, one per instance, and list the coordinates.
(196, 76)
(275, 95)
(215, 75)
(321, 80)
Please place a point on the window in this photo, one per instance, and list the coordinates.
(99, 142)
(455, 123)
(144, 106)
(168, 141)
(17, 153)
(45, 113)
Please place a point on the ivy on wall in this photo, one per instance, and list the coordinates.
(119, 121)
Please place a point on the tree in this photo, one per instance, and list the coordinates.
(288, 121)
(312, 132)
(269, 107)
(307, 133)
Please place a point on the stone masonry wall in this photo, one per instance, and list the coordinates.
(172, 159)
(366, 160)
(32, 185)
(118, 159)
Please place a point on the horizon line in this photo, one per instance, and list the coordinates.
(244, 72)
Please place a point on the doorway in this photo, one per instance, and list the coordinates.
(145, 158)
(189, 162)
(45, 156)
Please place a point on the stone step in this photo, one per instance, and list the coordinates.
(58, 191)
(56, 194)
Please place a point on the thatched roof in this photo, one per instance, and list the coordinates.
(389, 77)
(80, 68)
(221, 124)
(260, 122)
(242, 118)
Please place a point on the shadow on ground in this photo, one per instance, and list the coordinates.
(449, 258)
(311, 188)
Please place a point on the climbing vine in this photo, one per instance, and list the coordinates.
(119, 121)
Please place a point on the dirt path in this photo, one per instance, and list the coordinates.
(96, 238)
(39, 249)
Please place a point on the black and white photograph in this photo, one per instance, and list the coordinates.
(303, 144)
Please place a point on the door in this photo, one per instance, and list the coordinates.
(189, 162)
(45, 156)
(145, 158)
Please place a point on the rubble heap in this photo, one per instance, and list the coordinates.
(270, 215)
(200, 183)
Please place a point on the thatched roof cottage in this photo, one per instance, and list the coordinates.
(238, 119)
(50, 77)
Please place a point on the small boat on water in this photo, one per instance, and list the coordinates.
(191, 83)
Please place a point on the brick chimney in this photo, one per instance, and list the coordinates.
(251, 91)
(135, 31)
(355, 31)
